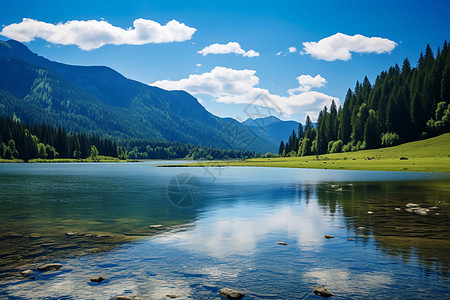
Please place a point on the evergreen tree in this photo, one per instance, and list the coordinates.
(371, 137)
(281, 148)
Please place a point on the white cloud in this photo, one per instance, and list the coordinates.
(93, 34)
(292, 49)
(307, 82)
(231, 47)
(340, 46)
(227, 85)
(278, 53)
(198, 65)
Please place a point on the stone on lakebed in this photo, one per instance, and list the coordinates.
(320, 290)
(49, 267)
(231, 294)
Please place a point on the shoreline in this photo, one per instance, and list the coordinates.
(440, 165)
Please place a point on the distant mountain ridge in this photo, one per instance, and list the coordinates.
(100, 100)
(272, 128)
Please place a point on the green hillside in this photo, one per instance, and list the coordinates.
(99, 100)
(430, 155)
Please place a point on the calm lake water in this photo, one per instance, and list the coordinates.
(220, 229)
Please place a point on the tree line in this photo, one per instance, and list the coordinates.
(24, 141)
(147, 149)
(403, 105)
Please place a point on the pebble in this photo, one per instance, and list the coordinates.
(49, 267)
(155, 226)
(97, 279)
(26, 273)
(320, 290)
(231, 294)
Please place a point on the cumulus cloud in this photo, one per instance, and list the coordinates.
(292, 49)
(231, 47)
(340, 46)
(198, 65)
(93, 34)
(227, 85)
(307, 82)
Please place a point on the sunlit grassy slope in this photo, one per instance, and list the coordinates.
(431, 155)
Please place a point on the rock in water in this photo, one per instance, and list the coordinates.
(282, 243)
(421, 211)
(127, 297)
(172, 296)
(231, 294)
(410, 205)
(26, 273)
(97, 279)
(155, 226)
(49, 267)
(71, 233)
(320, 290)
(328, 236)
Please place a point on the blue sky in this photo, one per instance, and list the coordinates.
(378, 34)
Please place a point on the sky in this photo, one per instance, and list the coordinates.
(240, 59)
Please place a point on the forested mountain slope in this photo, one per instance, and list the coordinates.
(99, 100)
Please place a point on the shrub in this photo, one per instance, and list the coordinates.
(389, 139)
(337, 147)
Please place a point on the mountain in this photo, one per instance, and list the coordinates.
(272, 129)
(97, 99)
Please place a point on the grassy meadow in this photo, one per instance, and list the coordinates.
(430, 155)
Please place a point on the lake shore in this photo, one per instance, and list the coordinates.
(431, 155)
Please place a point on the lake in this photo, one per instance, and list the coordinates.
(221, 228)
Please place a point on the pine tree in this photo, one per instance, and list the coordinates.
(281, 148)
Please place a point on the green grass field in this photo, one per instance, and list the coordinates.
(431, 155)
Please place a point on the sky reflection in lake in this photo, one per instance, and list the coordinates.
(233, 232)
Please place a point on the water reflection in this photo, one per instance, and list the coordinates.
(396, 231)
(232, 237)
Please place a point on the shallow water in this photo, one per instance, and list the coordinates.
(221, 231)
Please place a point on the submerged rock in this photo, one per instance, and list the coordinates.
(127, 297)
(11, 235)
(172, 296)
(282, 243)
(350, 239)
(97, 235)
(97, 279)
(320, 290)
(370, 212)
(155, 226)
(410, 205)
(231, 294)
(434, 207)
(26, 273)
(328, 236)
(397, 208)
(421, 211)
(49, 267)
(71, 233)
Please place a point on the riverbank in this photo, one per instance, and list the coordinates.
(430, 155)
